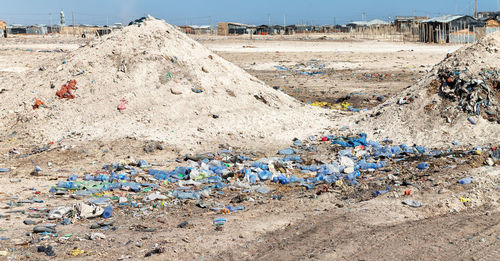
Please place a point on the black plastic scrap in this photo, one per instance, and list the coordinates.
(474, 94)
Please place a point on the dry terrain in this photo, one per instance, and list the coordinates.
(455, 221)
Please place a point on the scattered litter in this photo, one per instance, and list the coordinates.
(123, 104)
(76, 252)
(412, 203)
(65, 91)
(48, 250)
(465, 181)
(38, 104)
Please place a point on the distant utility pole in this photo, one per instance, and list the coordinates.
(107, 21)
(475, 9)
(50, 19)
(269, 20)
(72, 19)
(210, 22)
(334, 20)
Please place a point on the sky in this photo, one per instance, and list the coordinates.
(204, 12)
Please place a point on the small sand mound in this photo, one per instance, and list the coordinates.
(152, 82)
(457, 101)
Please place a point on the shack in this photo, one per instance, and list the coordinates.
(186, 29)
(225, 28)
(404, 24)
(439, 29)
(360, 26)
(492, 26)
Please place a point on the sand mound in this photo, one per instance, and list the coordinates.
(457, 101)
(150, 81)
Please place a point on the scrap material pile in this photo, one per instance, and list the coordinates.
(151, 82)
(457, 101)
(475, 96)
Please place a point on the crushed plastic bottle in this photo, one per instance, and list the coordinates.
(423, 165)
(465, 181)
(108, 212)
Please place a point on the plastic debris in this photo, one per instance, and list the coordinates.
(465, 181)
(412, 203)
(38, 104)
(66, 90)
(219, 221)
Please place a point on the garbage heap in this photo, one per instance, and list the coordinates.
(476, 94)
(456, 101)
(349, 162)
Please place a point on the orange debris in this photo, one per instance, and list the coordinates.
(65, 91)
(38, 103)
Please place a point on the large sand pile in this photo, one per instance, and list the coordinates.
(176, 91)
(457, 101)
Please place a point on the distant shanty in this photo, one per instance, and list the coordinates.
(443, 29)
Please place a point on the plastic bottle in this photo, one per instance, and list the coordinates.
(423, 165)
(234, 209)
(68, 185)
(260, 165)
(187, 195)
(353, 175)
(252, 178)
(152, 172)
(287, 151)
(219, 221)
(214, 179)
(381, 192)
(465, 181)
(108, 212)
(282, 179)
(142, 163)
(265, 175)
(295, 158)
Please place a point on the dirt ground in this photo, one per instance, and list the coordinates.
(456, 222)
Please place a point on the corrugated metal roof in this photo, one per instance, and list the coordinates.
(443, 19)
(369, 23)
(377, 22)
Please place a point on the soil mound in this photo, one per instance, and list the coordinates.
(149, 81)
(457, 101)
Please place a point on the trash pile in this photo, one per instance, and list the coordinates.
(311, 67)
(475, 95)
(375, 76)
(457, 100)
(352, 160)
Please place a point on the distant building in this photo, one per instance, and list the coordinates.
(491, 26)
(233, 28)
(202, 29)
(407, 23)
(362, 25)
(196, 29)
(484, 16)
(186, 29)
(449, 29)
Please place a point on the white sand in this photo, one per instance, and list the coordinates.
(134, 64)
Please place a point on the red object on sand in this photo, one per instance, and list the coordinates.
(65, 91)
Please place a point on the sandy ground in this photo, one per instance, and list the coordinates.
(298, 225)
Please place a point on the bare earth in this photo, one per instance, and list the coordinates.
(343, 224)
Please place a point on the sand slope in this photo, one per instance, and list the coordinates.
(177, 91)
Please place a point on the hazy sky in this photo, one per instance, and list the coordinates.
(200, 12)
